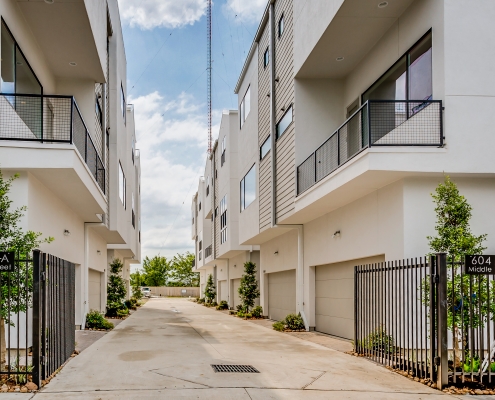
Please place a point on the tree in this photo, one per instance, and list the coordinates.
(181, 271)
(455, 238)
(155, 271)
(248, 289)
(137, 278)
(210, 291)
(116, 290)
(13, 238)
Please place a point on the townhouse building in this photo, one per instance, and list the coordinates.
(358, 109)
(67, 130)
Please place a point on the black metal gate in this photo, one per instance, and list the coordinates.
(38, 322)
(427, 318)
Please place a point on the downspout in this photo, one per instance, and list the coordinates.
(300, 230)
(85, 270)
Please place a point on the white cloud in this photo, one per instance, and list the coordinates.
(149, 14)
(172, 138)
(249, 11)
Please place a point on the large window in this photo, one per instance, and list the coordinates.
(245, 106)
(222, 157)
(133, 214)
(265, 147)
(281, 26)
(410, 78)
(223, 220)
(99, 113)
(122, 182)
(266, 57)
(122, 102)
(284, 122)
(248, 188)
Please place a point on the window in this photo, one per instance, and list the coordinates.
(281, 26)
(222, 158)
(410, 78)
(199, 206)
(133, 150)
(266, 57)
(223, 220)
(207, 186)
(133, 215)
(121, 185)
(200, 244)
(99, 114)
(122, 101)
(245, 106)
(216, 212)
(248, 188)
(265, 148)
(284, 122)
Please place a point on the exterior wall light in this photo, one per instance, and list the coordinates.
(66, 232)
(340, 58)
(98, 252)
(276, 253)
(72, 64)
(336, 234)
(383, 4)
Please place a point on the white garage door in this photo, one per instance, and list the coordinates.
(281, 294)
(223, 290)
(235, 292)
(334, 292)
(94, 289)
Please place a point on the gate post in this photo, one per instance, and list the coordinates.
(433, 317)
(442, 349)
(36, 319)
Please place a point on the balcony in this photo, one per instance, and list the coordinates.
(49, 119)
(208, 251)
(376, 123)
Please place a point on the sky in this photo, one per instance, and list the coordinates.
(166, 47)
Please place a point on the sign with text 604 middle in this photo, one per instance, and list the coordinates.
(7, 261)
(480, 265)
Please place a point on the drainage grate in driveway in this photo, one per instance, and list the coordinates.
(234, 368)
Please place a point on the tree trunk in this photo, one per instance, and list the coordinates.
(3, 346)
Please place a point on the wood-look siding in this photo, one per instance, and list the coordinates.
(284, 97)
(265, 182)
(216, 221)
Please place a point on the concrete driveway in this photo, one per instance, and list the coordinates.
(165, 351)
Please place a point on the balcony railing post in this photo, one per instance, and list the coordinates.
(368, 106)
(42, 109)
(71, 119)
(315, 180)
(441, 122)
(86, 147)
(338, 147)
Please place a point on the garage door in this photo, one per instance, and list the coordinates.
(281, 294)
(94, 289)
(334, 292)
(235, 292)
(223, 290)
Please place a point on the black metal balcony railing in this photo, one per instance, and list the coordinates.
(376, 123)
(49, 119)
(208, 251)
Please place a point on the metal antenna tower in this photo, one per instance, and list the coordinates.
(209, 77)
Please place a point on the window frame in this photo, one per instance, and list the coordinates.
(122, 189)
(291, 109)
(281, 31)
(99, 111)
(267, 140)
(242, 107)
(223, 220)
(123, 103)
(266, 57)
(242, 188)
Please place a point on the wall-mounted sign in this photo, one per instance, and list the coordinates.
(184, 291)
(480, 265)
(7, 261)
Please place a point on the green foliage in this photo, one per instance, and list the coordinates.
(136, 292)
(294, 322)
(95, 320)
(22, 378)
(123, 312)
(378, 340)
(13, 238)
(201, 300)
(248, 289)
(257, 312)
(131, 304)
(156, 270)
(210, 291)
(137, 279)
(116, 290)
(472, 365)
(279, 326)
(181, 271)
(223, 305)
(454, 235)
(240, 307)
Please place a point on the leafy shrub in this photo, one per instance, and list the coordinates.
(201, 300)
(240, 314)
(472, 365)
(279, 326)
(223, 305)
(294, 322)
(257, 312)
(131, 303)
(379, 340)
(116, 290)
(95, 320)
(122, 312)
(240, 307)
(213, 304)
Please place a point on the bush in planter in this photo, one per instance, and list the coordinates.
(294, 322)
(116, 290)
(257, 312)
(210, 291)
(240, 307)
(95, 320)
(248, 288)
(279, 326)
(201, 300)
(124, 312)
(223, 305)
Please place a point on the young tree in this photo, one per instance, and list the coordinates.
(181, 271)
(455, 238)
(13, 238)
(156, 270)
(137, 278)
(210, 291)
(116, 290)
(248, 289)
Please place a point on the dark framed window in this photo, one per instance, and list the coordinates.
(99, 113)
(222, 157)
(122, 102)
(223, 220)
(265, 147)
(266, 57)
(248, 188)
(245, 106)
(199, 206)
(410, 78)
(284, 122)
(281, 26)
(122, 186)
